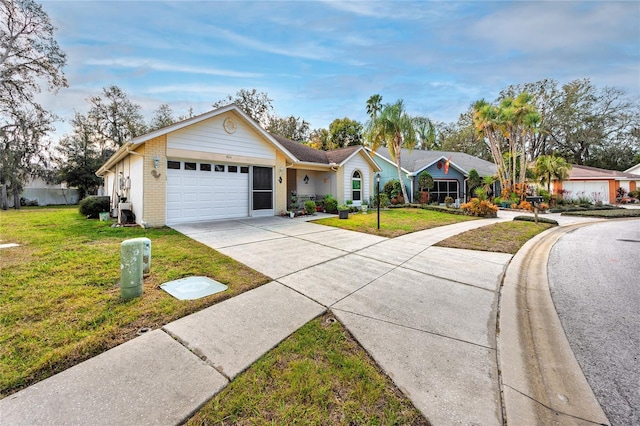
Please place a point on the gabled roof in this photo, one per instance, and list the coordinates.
(294, 151)
(127, 147)
(578, 172)
(634, 169)
(414, 161)
(336, 157)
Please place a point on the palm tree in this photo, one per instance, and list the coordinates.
(426, 132)
(549, 167)
(395, 128)
(374, 105)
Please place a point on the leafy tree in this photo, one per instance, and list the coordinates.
(162, 117)
(256, 105)
(29, 58)
(395, 129)
(115, 119)
(78, 157)
(345, 132)
(549, 167)
(319, 139)
(426, 130)
(23, 146)
(291, 127)
(461, 136)
(29, 54)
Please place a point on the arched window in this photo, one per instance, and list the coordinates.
(356, 186)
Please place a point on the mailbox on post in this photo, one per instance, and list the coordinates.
(535, 201)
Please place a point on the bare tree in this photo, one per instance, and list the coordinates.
(256, 105)
(115, 119)
(29, 57)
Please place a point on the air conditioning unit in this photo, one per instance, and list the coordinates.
(123, 206)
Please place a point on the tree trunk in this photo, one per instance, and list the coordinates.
(16, 199)
(398, 150)
(4, 202)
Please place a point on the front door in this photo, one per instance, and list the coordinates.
(262, 191)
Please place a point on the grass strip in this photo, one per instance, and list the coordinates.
(503, 237)
(606, 214)
(60, 299)
(318, 376)
(394, 222)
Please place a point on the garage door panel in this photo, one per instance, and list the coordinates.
(594, 190)
(196, 195)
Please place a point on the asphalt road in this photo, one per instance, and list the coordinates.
(594, 275)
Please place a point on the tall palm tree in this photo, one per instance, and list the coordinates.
(374, 105)
(549, 167)
(426, 132)
(395, 128)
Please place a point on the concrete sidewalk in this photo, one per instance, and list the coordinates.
(426, 314)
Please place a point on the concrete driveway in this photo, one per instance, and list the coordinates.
(426, 314)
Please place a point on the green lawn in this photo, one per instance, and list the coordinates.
(318, 376)
(60, 301)
(503, 237)
(394, 222)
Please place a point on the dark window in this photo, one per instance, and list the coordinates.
(262, 178)
(205, 167)
(173, 165)
(244, 169)
(444, 188)
(219, 168)
(189, 166)
(232, 169)
(262, 201)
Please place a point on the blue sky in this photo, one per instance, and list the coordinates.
(322, 60)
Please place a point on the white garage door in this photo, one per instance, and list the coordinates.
(205, 191)
(594, 190)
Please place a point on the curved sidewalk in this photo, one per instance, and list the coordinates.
(426, 314)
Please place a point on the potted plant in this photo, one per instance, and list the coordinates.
(365, 207)
(343, 211)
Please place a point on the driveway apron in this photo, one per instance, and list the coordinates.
(426, 314)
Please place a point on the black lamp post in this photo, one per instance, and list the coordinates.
(378, 196)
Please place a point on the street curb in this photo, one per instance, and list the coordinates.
(541, 380)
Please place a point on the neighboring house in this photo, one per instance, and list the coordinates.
(222, 165)
(45, 194)
(414, 162)
(634, 170)
(595, 184)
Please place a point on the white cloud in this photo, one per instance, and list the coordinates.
(156, 65)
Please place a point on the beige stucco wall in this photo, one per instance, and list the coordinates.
(155, 184)
(280, 202)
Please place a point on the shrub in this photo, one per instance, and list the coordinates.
(330, 204)
(93, 205)
(425, 181)
(384, 200)
(392, 188)
(310, 207)
(480, 208)
(448, 201)
(533, 219)
(525, 205)
(543, 207)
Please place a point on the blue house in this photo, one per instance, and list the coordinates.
(447, 183)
